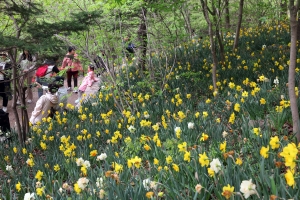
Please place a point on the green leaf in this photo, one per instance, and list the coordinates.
(273, 186)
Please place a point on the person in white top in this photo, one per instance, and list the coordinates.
(27, 63)
(44, 104)
(4, 83)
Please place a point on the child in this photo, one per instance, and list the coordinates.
(88, 81)
(45, 104)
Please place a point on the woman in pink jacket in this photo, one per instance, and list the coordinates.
(88, 81)
(73, 64)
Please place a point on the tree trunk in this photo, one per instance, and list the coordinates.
(298, 29)
(14, 57)
(238, 27)
(142, 37)
(186, 16)
(212, 43)
(217, 21)
(293, 56)
(283, 10)
(227, 17)
(15, 88)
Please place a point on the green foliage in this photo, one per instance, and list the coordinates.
(174, 92)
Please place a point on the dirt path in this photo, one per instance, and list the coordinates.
(30, 107)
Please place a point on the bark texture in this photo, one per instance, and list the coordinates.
(293, 56)
(238, 27)
(212, 43)
(142, 37)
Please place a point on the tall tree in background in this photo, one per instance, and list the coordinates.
(217, 11)
(215, 29)
(293, 7)
(142, 37)
(212, 42)
(227, 16)
(238, 27)
(185, 12)
(283, 9)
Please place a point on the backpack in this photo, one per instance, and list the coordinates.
(130, 48)
(41, 71)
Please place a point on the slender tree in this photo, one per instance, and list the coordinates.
(283, 9)
(143, 40)
(212, 42)
(227, 16)
(293, 7)
(185, 12)
(238, 27)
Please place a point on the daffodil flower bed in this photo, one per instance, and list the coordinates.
(173, 139)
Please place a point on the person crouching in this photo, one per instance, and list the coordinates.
(45, 104)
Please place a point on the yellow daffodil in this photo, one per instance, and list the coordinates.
(169, 159)
(203, 159)
(204, 137)
(182, 147)
(210, 172)
(274, 142)
(223, 147)
(227, 191)
(175, 167)
(39, 175)
(149, 195)
(187, 156)
(264, 152)
(239, 161)
(18, 186)
(289, 177)
(56, 167)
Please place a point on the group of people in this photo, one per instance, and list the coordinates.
(51, 81)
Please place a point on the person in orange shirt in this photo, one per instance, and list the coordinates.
(73, 65)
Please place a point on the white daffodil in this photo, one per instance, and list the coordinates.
(86, 164)
(9, 168)
(224, 134)
(102, 156)
(191, 125)
(215, 165)
(29, 196)
(276, 81)
(99, 182)
(82, 183)
(146, 183)
(131, 129)
(79, 162)
(247, 188)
